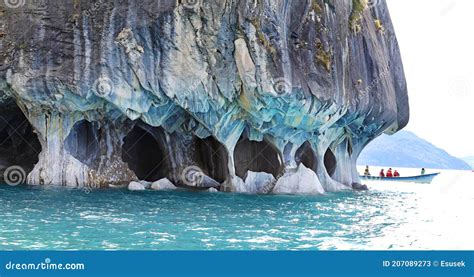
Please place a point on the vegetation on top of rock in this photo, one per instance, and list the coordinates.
(358, 7)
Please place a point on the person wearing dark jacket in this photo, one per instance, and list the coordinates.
(382, 174)
(366, 171)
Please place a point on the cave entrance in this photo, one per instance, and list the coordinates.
(305, 155)
(349, 147)
(83, 142)
(330, 162)
(145, 153)
(257, 156)
(19, 145)
(212, 158)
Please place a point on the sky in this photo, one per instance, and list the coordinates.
(436, 39)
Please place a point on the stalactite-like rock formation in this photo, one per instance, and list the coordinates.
(258, 96)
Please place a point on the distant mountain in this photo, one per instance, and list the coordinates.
(405, 149)
(469, 161)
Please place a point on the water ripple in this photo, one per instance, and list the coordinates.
(33, 218)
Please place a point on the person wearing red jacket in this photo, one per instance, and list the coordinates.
(389, 172)
(396, 174)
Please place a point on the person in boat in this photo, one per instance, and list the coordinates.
(389, 173)
(396, 174)
(381, 174)
(366, 171)
(423, 171)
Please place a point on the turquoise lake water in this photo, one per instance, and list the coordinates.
(389, 216)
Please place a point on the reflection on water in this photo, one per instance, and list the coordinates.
(389, 216)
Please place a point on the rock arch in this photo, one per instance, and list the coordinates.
(83, 142)
(257, 156)
(306, 155)
(144, 150)
(19, 144)
(212, 157)
(330, 162)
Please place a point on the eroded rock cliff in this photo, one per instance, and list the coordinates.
(117, 91)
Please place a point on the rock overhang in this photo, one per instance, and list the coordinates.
(279, 72)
